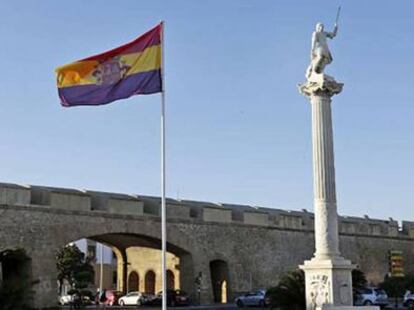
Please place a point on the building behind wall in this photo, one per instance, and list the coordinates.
(144, 268)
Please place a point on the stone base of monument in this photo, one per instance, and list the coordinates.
(328, 282)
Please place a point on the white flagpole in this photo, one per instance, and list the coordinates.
(163, 200)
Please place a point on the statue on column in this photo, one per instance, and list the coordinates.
(316, 79)
(320, 54)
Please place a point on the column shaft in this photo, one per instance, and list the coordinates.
(326, 222)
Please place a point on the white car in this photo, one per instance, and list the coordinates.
(409, 300)
(371, 296)
(65, 299)
(132, 298)
(252, 299)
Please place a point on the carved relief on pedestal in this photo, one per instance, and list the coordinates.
(319, 289)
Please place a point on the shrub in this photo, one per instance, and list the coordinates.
(289, 294)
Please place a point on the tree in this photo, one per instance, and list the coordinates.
(358, 279)
(397, 286)
(74, 267)
(289, 294)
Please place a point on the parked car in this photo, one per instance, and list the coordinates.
(257, 298)
(409, 300)
(133, 298)
(174, 298)
(70, 299)
(108, 297)
(371, 296)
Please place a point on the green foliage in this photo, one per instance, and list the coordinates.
(396, 286)
(358, 279)
(16, 290)
(73, 266)
(289, 294)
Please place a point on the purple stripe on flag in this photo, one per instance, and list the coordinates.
(141, 83)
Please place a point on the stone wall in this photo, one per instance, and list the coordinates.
(257, 244)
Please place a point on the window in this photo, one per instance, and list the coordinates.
(91, 251)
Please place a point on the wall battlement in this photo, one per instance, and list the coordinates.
(115, 203)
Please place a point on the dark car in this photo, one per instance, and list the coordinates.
(174, 298)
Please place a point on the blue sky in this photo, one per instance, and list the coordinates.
(238, 131)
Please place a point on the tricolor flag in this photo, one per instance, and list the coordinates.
(131, 69)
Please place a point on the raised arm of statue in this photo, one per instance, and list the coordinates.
(332, 34)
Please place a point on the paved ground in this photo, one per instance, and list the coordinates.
(205, 307)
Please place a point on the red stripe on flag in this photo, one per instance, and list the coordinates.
(150, 38)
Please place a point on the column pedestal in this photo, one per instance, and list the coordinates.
(328, 282)
(328, 275)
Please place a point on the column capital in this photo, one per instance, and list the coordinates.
(320, 85)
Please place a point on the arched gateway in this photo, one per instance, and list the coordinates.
(41, 220)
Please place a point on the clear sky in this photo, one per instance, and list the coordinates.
(238, 130)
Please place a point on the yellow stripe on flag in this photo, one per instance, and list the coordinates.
(82, 72)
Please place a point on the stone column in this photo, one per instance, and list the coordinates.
(44, 275)
(327, 275)
(326, 227)
(124, 272)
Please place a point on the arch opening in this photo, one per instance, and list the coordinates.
(133, 282)
(150, 282)
(219, 280)
(16, 279)
(132, 262)
(170, 280)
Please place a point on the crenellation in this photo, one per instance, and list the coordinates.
(39, 196)
(217, 214)
(117, 203)
(196, 213)
(290, 221)
(177, 210)
(256, 218)
(393, 229)
(70, 201)
(237, 216)
(375, 229)
(408, 228)
(368, 226)
(152, 205)
(60, 198)
(14, 194)
(197, 208)
(285, 219)
(238, 211)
